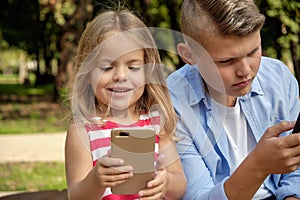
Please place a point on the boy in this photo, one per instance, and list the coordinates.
(236, 138)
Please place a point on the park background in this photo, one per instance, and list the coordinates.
(38, 43)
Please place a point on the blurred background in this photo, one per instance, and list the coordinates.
(38, 43)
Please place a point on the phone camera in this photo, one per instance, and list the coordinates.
(124, 134)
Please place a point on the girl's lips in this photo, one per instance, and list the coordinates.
(242, 84)
(119, 92)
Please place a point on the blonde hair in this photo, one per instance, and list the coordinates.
(103, 26)
(201, 18)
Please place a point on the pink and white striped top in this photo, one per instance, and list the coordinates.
(99, 136)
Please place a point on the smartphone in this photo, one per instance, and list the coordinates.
(136, 146)
(297, 125)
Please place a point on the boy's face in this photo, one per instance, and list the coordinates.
(119, 77)
(237, 59)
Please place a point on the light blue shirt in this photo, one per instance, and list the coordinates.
(204, 148)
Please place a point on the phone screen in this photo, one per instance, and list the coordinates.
(297, 125)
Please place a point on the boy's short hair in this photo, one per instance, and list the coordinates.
(220, 17)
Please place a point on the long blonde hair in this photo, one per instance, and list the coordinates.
(100, 28)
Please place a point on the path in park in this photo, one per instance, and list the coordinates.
(32, 147)
(44, 147)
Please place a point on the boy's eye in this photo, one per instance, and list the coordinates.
(225, 61)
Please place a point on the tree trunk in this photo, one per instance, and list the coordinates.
(71, 33)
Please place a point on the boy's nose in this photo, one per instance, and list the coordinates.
(244, 68)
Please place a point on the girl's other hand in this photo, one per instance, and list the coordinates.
(156, 188)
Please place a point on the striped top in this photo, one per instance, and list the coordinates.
(99, 136)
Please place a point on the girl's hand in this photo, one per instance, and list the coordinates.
(110, 172)
(156, 188)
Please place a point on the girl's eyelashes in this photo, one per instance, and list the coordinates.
(135, 67)
(105, 68)
(131, 67)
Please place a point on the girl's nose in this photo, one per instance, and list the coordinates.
(120, 74)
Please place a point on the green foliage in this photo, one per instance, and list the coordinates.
(18, 89)
(63, 10)
(49, 30)
(32, 116)
(19, 24)
(280, 35)
(287, 12)
(34, 176)
(10, 58)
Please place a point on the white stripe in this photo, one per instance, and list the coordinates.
(99, 134)
(156, 148)
(97, 153)
(143, 117)
(107, 192)
(149, 115)
(154, 114)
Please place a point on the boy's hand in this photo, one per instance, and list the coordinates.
(291, 198)
(277, 155)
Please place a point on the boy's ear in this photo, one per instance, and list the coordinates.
(186, 53)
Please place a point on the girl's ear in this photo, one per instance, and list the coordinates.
(186, 53)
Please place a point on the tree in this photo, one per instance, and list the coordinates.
(20, 25)
(50, 29)
(281, 31)
(72, 24)
(163, 14)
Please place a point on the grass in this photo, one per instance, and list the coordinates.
(18, 89)
(35, 176)
(34, 115)
(17, 118)
(27, 109)
(21, 126)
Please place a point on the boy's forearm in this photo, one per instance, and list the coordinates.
(245, 180)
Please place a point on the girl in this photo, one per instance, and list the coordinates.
(119, 83)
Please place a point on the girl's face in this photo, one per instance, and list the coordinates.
(118, 78)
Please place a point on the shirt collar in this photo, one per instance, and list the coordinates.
(198, 86)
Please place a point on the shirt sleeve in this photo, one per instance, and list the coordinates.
(289, 184)
(282, 90)
(200, 183)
